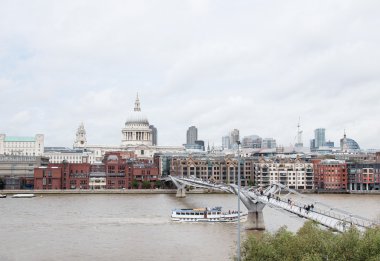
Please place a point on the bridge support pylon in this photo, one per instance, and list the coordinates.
(255, 219)
(181, 192)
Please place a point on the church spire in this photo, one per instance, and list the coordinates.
(137, 103)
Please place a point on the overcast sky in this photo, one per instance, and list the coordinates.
(252, 65)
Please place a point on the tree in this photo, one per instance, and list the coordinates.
(158, 184)
(312, 242)
(146, 184)
(135, 184)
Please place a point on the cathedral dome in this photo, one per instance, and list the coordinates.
(137, 117)
(136, 131)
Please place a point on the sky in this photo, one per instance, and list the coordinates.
(257, 66)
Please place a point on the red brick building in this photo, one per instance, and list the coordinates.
(125, 172)
(62, 176)
(78, 176)
(330, 175)
(115, 166)
(118, 171)
(142, 175)
(48, 178)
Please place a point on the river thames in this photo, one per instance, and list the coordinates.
(135, 227)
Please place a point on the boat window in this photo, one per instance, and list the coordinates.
(178, 213)
(192, 214)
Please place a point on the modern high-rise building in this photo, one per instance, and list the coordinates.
(252, 141)
(154, 134)
(319, 137)
(234, 137)
(226, 144)
(269, 143)
(191, 135)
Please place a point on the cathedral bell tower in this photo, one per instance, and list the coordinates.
(80, 141)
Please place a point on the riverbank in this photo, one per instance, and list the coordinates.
(164, 191)
(109, 191)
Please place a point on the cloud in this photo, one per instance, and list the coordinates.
(252, 65)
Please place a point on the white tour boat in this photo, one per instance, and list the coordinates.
(3, 195)
(23, 195)
(207, 215)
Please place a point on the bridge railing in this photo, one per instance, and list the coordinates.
(322, 213)
(328, 216)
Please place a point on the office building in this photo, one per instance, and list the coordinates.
(319, 137)
(268, 143)
(154, 134)
(252, 141)
(191, 135)
(226, 143)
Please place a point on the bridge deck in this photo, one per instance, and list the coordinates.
(323, 214)
(326, 219)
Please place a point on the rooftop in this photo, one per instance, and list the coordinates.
(19, 139)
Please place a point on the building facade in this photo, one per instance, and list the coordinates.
(252, 141)
(217, 169)
(295, 174)
(268, 143)
(319, 137)
(364, 176)
(226, 142)
(117, 171)
(62, 154)
(17, 172)
(23, 146)
(154, 135)
(330, 175)
(234, 138)
(191, 135)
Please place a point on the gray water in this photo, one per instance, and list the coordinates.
(135, 227)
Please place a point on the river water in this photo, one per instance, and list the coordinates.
(135, 227)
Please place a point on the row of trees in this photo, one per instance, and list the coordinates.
(312, 242)
(145, 184)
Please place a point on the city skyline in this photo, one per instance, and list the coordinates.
(256, 67)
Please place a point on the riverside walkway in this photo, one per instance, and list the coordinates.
(280, 197)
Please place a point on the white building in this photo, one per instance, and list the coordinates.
(293, 174)
(60, 154)
(136, 131)
(26, 146)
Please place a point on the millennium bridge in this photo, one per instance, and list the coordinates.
(279, 197)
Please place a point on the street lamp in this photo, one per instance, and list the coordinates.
(238, 239)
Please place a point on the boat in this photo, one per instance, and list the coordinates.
(3, 195)
(214, 214)
(23, 195)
